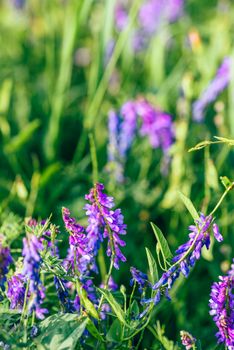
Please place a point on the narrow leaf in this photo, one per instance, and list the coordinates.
(189, 205)
(162, 243)
(115, 306)
(153, 270)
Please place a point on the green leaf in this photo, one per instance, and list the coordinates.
(225, 181)
(153, 270)
(60, 332)
(115, 306)
(115, 332)
(18, 141)
(189, 205)
(93, 330)
(162, 243)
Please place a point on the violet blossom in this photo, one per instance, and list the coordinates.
(105, 223)
(79, 254)
(5, 261)
(138, 277)
(32, 247)
(16, 291)
(222, 309)
(187, 340)
(216, 86)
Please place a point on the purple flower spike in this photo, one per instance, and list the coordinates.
(222, 309)
(217, 233)
(105, 223)
(79, 250)
(32, 263)
(216, 86)
(16, 291)
(156, 124)
(5, 261)
(139, 277)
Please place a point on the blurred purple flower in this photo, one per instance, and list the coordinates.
(5, 261)
(156, 124)
(187, 340)
(222, 310)
(216, 86)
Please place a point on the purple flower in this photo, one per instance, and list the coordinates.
(152, 14)
(121, 16)
(105, 223)
(222, 309)
(16, 291)
(5, 261)
(199, 236)
(111, 284)
(79, 250)
(156, 124)
(63, 295)
(187, 340)
(32, 246)
(186, 256)
(216, 86)
(139, 277)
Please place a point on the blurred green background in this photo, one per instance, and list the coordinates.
(57, 85)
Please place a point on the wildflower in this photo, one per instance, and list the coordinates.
(187, 340)
(186, 256)
(156, 124)
(16, 291)
(5, 261)
(199, 236)
(79, 256)
(63, 295)
(32, 263)
(222, 309)
(105, 223)
(139, 277)
(216, 86)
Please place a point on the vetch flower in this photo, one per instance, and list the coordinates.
(16, 291)
(216, 86)
(199, 236)
(222, 309)
(5, 261)
(105, 223)
(79, 255)
(187, 340)
(32, 247)
(139, 277)
(154, 123)
(63, 295)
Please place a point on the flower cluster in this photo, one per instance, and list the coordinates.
(151, 15)
(5, 261)
(138, 277)
(105, 223)
(187, 340)
(16, 291)
(216, 86)
(222, 309)
(32, 262)
(79, 255)
(186, 256)
(154, 123)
